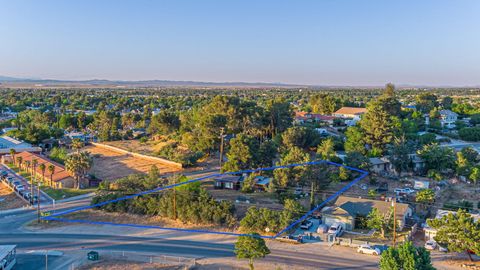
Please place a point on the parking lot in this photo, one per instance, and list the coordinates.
(22, 187)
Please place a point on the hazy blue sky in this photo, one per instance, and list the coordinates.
(322, 42)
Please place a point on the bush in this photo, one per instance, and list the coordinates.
(463, 204)
(193, 203)
(58, 154)
(470, 134)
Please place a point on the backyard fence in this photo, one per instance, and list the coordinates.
(168, 260)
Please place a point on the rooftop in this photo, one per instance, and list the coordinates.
(351, 110)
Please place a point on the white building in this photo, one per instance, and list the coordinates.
(448, 118)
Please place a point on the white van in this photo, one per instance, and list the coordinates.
(336, 229)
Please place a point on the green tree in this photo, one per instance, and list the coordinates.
(425, 196)
(299, 136)
(355, 140)
(381, 222)
(458, 232)
(323, 104)
(437, 157)
(294, 175)
(399, 154)
(357, 160)
(326, 149)
(426, 102)
(251, 247)
(475, 174)
(242, 153)
(447, 102)
(389, 102)
(379, 127)
(406, 257)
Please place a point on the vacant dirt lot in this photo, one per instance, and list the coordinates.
(119, 265)
(8, 199)
(110, 165)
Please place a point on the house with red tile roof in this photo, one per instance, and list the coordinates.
(60, 178)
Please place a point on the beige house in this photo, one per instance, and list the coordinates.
(347, 210)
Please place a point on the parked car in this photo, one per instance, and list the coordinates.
(404, 191)
(3, 173)
(323, 228)
(10, 179)
(20, 189)
(291, 238)
(336, 229)
(242, 199)
(27, 195)
(16, 183)
(306, 225)
(442, 249)
(430, 245)
(367, 249)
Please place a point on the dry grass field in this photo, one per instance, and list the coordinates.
(111, 165)
(119, 265)
(8, 199)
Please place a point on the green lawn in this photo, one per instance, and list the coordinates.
(63, 193)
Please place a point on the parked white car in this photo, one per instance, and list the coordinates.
(367, 249)
(404, 190)
(336, 229)
(430, 245)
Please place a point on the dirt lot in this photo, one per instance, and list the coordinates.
(110, 165)
(119, 265)
(8, 199)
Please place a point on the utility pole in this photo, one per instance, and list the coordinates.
(221, 146)
(38, 202)
(394, 204)
(174, 198)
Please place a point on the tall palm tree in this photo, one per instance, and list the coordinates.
(42, 168)
(77, 145)
(78, 164)
(51, 170)
(19, 162)
(27, 165)
(12, 153)
(34, 168)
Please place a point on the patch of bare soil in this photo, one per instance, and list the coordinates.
(8, 199)
(125, 265)
(111, 165)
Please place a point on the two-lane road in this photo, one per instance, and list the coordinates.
(323, 258)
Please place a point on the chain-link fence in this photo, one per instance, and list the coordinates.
(148, 258)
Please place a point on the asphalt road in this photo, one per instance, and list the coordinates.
(184, 248)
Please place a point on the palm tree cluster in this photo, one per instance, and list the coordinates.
(78, 163)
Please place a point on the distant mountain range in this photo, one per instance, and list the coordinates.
(159, 83)
(169, 83)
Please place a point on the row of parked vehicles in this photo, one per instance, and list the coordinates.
(18, 187)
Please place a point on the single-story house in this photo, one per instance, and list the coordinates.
(347, 210)
(303, 117)
(380, 165)
(60, 178)
(228, 182)
(349, 112)
(262, 183)
(7, 143)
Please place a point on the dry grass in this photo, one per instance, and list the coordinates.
(124, 265)
(110, 165)
(10, 199)
(124, 218)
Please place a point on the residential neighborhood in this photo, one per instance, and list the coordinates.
(239, 135)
